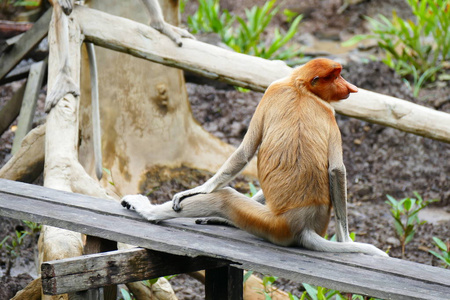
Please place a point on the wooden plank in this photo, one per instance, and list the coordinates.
(27, 42)
(16, 74)
(224, 283)
(11, 109)
(395, 266)
(7, 44)
(34, 84)
(116, 267)
(300, 265)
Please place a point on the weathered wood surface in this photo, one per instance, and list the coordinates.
(224, 283)
(115, 267)
(11, 109)
(34, 85)
(250, 72)
(27, 42)
(387, 278)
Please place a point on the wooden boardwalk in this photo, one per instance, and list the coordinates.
(386, 278)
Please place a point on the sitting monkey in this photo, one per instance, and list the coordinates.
(300, 168)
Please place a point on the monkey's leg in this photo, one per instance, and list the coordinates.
(258, 197)
(226, 203)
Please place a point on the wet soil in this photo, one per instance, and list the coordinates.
(379, 160)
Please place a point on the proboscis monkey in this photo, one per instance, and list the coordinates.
(300, 168)
(65, 85)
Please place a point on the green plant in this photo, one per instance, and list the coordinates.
(319, 293)
(12, 243)
(252, 191)
(126, 295)
(417, 49)
(244, 35)
(208, 18)
(406, 219)
(444, 256)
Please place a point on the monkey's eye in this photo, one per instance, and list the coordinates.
(315, 80)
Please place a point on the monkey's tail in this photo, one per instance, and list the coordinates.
(312, 241)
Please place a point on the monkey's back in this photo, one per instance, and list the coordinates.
(293, 155)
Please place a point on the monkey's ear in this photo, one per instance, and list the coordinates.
(315, 80)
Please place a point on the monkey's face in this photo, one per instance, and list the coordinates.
(322, 77)
(332, 87)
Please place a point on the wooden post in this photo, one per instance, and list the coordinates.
(11, 109)
(224, 283)
(34, 84)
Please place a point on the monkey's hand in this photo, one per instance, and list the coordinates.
(173, 32)
(63, 85)
(176, 200)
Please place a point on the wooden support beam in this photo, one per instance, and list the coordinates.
(115, 267)
(27, 42)
(16, 74)
(11, 109)
(34, 84)
(224, 283)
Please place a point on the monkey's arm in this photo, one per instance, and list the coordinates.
(234, 164)
(157, 22)
(338, 185)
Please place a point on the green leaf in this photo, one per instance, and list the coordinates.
(293, 297)
(247, 275)
(446, 260)
(392, 201)
(440, 244)
(312, 291)
(253, 189)
(125, 294)
(107, 171)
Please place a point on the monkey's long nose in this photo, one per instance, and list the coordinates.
(351, 88)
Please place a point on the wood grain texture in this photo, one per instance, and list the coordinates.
(28, 108)
(386, 278)
(115, 267)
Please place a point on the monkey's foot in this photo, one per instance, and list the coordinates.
(172, 32)
(214, 221)
(142, 206)
(66, 5)
(63, 85)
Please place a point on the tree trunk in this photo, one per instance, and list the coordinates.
(146, 118)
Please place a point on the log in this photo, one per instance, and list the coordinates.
(250, 72)
(28, 163)
(27, 42)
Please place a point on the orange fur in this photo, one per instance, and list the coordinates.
(296, 125)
